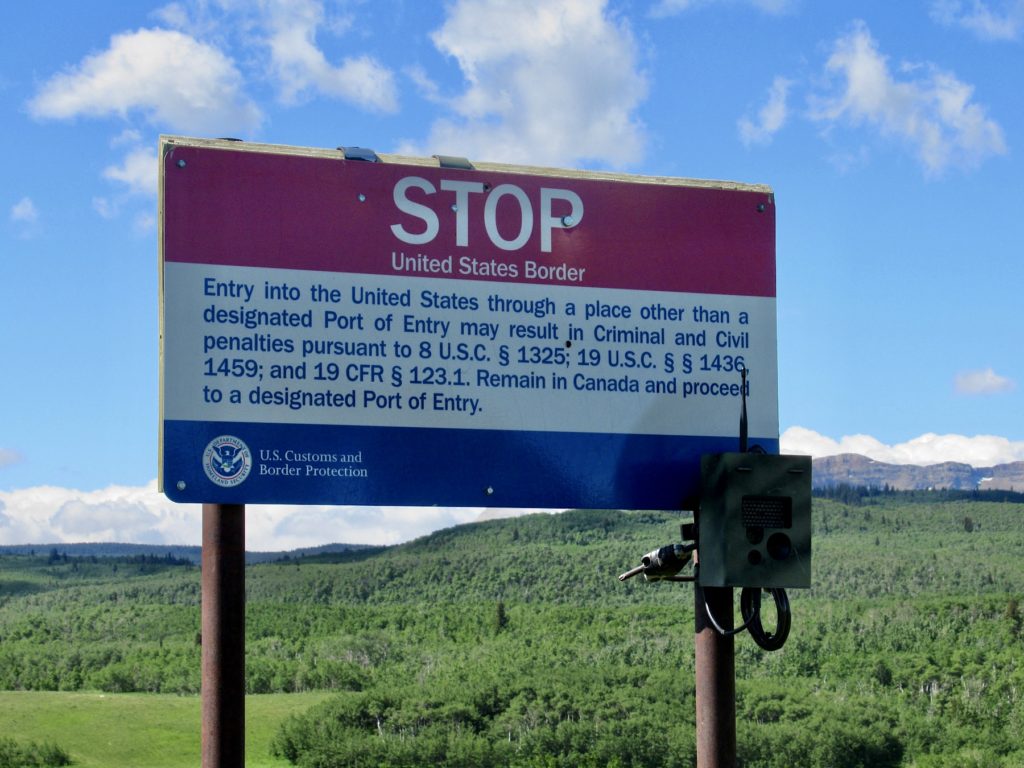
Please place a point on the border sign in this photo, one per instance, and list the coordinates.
(336, 331)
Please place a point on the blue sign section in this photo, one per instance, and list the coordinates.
(266, 463)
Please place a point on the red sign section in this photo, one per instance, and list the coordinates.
(238, 208)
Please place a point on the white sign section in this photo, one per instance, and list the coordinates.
(346, 332)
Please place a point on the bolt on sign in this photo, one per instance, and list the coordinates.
(404, 331)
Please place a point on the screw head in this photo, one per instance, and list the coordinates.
(362, 198)
(761, 207)
(489, 491)
(181, 163)
(568, 221)
(180, 485)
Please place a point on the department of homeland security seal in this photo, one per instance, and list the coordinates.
(227, 461)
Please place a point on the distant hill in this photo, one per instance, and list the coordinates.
(178, 552)
(854, 469)
(513, 643)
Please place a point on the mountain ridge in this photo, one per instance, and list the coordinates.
(190, 552)
(855, 469)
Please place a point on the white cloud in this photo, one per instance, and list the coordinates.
(46, 514)
(129, 136)
(300, 66)
(9, 457)
(25, 211)
(672, 7)
(138, 171)
(144, 222)
(978, 451)
(175, 81)
(548, 82)
(281, 39)
(173, 15)
(983, 382)
(929, 109)
(845, 160)
(988, 21)
(105, 207)
(427, 88)
(770, 118)
(115, 520)
(293, 527)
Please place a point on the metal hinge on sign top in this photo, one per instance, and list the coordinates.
(450, 161)
(360, 153)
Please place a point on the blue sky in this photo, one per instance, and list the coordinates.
(890, 132)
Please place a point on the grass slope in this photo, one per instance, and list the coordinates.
(100, 730)
(517, 632)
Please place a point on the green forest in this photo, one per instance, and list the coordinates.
(512, 643)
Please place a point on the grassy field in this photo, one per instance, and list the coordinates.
(141, 730)
(512, 642)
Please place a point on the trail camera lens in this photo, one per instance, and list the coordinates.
(779, 546)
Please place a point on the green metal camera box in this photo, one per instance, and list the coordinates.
(755, 521)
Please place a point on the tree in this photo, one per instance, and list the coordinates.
(500, 617)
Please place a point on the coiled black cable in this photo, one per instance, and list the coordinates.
(750, 609)
(719, 628)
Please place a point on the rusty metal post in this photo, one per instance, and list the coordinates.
(223, 636)
(715, 663)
